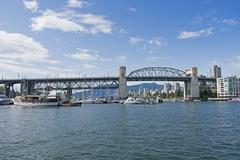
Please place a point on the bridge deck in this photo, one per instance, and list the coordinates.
(95, 79)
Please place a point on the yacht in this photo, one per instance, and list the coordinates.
(36, 101)
(234, 100)
(4, 100)
(131, 100)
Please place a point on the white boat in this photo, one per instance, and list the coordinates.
(131, 100)
(234, 100)
(36, 101)
(4, 100)
(88, 101)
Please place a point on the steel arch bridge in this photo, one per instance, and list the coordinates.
(158, 74)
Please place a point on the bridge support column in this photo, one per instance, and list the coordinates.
(7, 90)
(122, 90)
(191, 88)
(24, 87)
(69, 93)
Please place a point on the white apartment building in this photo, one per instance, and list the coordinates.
(228, 87)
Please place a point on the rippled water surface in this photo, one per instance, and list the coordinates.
(201, 130)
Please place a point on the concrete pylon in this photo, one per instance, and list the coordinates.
(122, 90)
(191, 88)
(24, 87)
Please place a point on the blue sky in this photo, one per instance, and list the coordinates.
(40, 38)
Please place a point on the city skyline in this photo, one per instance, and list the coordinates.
(78, 37)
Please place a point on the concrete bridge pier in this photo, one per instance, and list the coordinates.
(27, 88)
(69, 93)
(7, 89)
(191, 88)
(122, 90)
(24, 87)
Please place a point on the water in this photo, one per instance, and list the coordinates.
(201, 130)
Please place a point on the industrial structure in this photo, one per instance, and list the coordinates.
(189, 77)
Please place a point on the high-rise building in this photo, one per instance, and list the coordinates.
(177, 86)
(215, 71)
(167, 87)
(228, 87)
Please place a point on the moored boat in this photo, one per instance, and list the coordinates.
(234, 100)
(4, 100)
(36, 101)
(131, 100)
(70, 103)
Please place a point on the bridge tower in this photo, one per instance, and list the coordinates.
(191, 88)
(122, 90)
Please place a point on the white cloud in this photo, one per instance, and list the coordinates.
(122, 31)
(105, 59)
(88, 66)
(98, 23)
(157, 58)
(70, 21)
(21, 68)
(135, 40)
(230, 21)
(33, 71)
(59, 70)
(77, 3)
(132, 9)
(59, 21)
(16, 46)
(158, 41)
(88, 58)
(84, 55)
(121, 59)
(195, 34)
(152, 58)
(31, 5)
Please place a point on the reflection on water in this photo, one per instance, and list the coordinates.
(201, 130)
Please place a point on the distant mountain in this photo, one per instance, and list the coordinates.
(147, 86)
(112, 92)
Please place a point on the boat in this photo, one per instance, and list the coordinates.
(131, 100)
(115, 101)
(88, 101)
(36, 101)
(234, 100)
(70, 103)
(4, 100)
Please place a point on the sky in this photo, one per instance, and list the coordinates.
(69, 38)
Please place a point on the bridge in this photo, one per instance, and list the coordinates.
(189, 77)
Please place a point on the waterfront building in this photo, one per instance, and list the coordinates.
(216, 72)
(228, 87)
